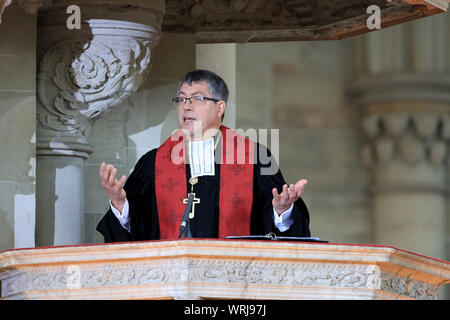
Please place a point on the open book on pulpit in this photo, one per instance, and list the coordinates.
(273, 236)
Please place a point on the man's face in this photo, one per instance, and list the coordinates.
(199, 115)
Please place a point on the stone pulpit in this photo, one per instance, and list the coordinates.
(220, 269)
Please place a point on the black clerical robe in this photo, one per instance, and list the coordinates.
(140, 190)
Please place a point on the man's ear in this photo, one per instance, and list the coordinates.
(222, 106)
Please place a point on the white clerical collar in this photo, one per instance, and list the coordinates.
(201, 157)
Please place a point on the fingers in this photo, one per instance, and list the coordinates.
(102, 172)
(302, 182)
(292, 192)
(118, 184)
(285, 193)
(289, 194)
(112, 176)
(105, 172)
(282, 198)
(300, 186)
(275, 193)
(122, 181)
(108, 177)
(102, 168)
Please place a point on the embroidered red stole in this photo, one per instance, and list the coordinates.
(236, 184)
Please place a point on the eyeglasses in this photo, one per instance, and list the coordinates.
(196, 100)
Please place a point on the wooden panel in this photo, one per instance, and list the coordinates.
(288, 20)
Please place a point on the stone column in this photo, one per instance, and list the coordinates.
(405, 149)
(221, 58)
(83, 73)
(402, 90)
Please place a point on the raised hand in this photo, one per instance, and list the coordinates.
(281, 202)
(112, 186)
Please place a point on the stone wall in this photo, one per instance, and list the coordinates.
(17, 128)
(298, 88)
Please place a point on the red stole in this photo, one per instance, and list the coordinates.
(236, 184)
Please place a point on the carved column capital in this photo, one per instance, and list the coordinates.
(409, 136)
(84, 73)
(404, 117)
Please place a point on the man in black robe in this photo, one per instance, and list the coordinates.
(134, 205)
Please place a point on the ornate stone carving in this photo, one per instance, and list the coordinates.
(91, 77)
(269, 20)
(219, 269)
(404, 117)
(179, 270)
(411, 137)
(408, 287)
(84, 74)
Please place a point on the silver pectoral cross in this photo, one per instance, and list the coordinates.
(194, 202)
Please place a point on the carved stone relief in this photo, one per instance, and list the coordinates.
(91, 76)
(408, 287)
(403, 117)
(411, 137)
(84, 73)
(240, 272)
(272, 20)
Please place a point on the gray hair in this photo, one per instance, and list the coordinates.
(216, 86)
